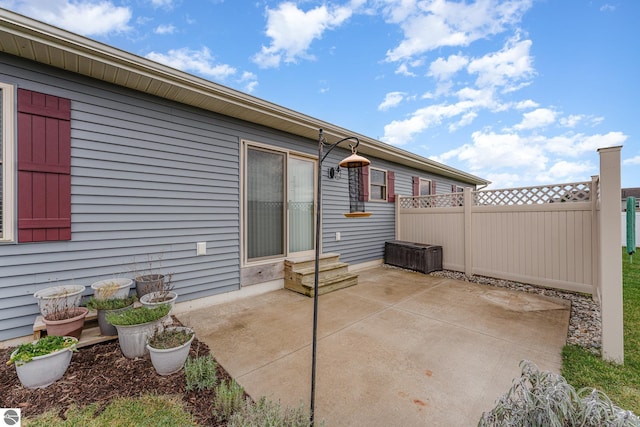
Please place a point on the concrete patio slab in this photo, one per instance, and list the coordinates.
(399, 349)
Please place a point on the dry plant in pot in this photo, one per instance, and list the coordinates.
(169, 348)
(63, 319)
(58, 297)
(111, 288)
(163, 294)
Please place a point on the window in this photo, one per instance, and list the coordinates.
(7, 202)
(378, 184)
(425, 187)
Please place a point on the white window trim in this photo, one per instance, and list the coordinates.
(7, 145)
(386, 185)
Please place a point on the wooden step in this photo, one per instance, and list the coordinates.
(309, 261)
(307, 275)
(90, 332)
(324, 286)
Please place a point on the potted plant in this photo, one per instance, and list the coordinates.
(65, 320)
(42, 362)
(169, 348)
(58, 297)
(135, 326)
(106, 306)
(163, 294)
(146, 283)
(111, 288)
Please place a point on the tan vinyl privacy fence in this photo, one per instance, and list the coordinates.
(542, 235)
(560, 236)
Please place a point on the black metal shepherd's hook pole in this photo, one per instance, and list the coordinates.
(321, 157)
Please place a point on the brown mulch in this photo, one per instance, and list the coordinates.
(100, 373)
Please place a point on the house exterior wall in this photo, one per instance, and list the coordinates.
(149, 179)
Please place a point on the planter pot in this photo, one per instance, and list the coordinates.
(71, 327)
(42, 371)
(111, 288)
(149, 283)
(171, 360)
(106, 328)
(133, 338)
(155, 299)
(57, 298)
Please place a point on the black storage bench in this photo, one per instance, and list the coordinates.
(413, 256)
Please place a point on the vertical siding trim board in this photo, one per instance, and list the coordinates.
(44, 167)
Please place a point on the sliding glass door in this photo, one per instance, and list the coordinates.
(279, 203)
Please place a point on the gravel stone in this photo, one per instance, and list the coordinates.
(585, 325)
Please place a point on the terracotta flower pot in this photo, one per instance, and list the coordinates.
(71, 326)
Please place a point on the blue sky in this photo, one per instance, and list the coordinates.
(520, 92)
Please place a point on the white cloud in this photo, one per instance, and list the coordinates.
(403, 69)
(431, 25)
(506, 68)
(165, 29)
(249, 81)
(538, 118)
(504, 180)
(392, 99)
(196, 61)
(632, 161)
(292, 31)
(526, 104)
(162, 3)
(564, 171)
(443, 69)
(574, 145)
(89, 17)
(571, 121)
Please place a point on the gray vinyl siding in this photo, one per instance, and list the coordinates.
(150, 178)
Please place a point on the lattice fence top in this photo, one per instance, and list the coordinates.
(436, 201)
(556, 193)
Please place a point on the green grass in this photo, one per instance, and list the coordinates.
(149, 410)
(620, 382)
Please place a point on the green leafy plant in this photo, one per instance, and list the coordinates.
(201, 373)
(266, 413)
(47, 345)
(229, 398)
(545, 399)
(110, 304)
(169, 338)
(138, 315)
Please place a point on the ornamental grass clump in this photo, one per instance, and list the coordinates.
(201, 373)
(46, 345)
(138, 315)
(170, 338)
(229, 398)
(266, 413)
(545, 399)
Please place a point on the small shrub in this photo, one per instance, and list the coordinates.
(266, 413)
(201, 373)
(545, 399)
(229, 398)
(110, 304)
(138, 315)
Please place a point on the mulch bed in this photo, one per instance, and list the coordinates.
(100, 373)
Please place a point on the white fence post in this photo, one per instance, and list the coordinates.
(611, 256)
(468, 231)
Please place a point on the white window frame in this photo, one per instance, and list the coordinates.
(386, 185)
(7, 145)
(428, 183)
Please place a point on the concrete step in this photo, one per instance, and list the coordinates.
(324, 286)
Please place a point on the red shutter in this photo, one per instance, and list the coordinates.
(364, 183)
(391, 186)
(416, 185)
(44, 167)
(433, 187)
(454, 188)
